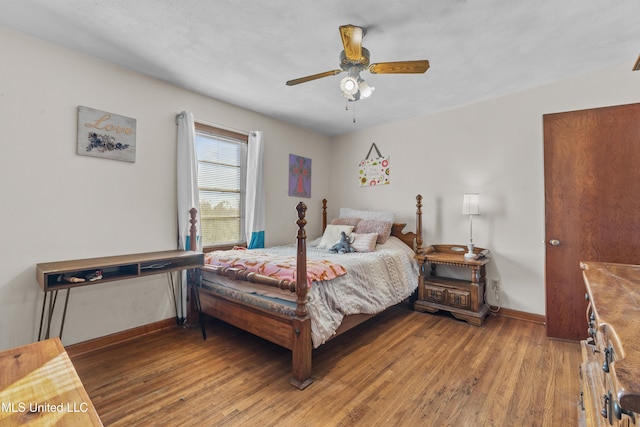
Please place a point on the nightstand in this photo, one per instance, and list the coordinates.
(464, 299)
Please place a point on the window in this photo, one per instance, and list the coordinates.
(222, 160)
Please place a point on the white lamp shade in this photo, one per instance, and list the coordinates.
(471, 204)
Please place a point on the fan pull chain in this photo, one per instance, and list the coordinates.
(346, 108)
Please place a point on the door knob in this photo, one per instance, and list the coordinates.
(554, 242)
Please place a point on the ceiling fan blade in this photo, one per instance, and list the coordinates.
(352, 42)
(400, 67)
(313, 77)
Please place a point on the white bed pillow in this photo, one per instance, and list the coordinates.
(364, 242)
(331, 235)
(374, 215)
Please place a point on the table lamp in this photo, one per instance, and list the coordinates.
(471, 207)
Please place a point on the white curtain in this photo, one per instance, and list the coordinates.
(188, 195)
(255, 201)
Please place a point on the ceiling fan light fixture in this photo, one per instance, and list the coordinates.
(355, 58)
(365, 89)
(349, 86)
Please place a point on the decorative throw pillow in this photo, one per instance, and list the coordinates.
(382, 228)
(346, 221)
(364, 242)
(377, 215)
(331, 235)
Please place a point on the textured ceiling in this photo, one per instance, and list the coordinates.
(243, 52)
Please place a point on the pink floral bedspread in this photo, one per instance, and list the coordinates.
(280, 267)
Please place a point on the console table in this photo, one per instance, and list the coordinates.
(464, 299)
(40, 387)
(55, 276)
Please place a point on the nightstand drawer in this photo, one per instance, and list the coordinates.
(459, 298)
(446, 295)
(434, 293)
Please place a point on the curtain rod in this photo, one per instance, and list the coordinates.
(230, 129)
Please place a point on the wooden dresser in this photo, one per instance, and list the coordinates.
(610, 370)
(40, 387)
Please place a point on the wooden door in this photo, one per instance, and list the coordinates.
(592, 204)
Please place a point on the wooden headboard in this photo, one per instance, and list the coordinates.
(411, 239)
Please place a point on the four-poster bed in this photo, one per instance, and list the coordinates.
(258, 303)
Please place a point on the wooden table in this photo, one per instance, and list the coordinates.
(40, 387)
(464, 299)
(55, 276)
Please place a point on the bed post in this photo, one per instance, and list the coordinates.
(419, 249)
(301, 263)
(324, 214)
(301, 324)
(194, 308)
(193, 230)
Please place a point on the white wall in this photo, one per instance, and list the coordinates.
(57, 205)
(494, 148)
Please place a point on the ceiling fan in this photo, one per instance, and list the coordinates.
(355, 59)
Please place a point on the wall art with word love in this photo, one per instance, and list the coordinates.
(106, 135)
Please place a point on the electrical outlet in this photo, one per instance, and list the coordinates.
(495, 285)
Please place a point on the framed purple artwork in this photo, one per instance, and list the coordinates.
(299, 176)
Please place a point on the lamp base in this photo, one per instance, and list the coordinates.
(470, 253)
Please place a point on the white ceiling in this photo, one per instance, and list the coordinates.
(243, 51)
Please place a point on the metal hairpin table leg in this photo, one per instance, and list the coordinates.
(195, 283)
(44, 305)
(64, 312)
(52, 306)
(172, 286)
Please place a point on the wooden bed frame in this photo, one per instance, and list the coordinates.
(291, 332)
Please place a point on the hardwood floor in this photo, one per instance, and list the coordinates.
(400, 368)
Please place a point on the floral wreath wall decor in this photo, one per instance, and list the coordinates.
(373, 171)
(106, 135)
